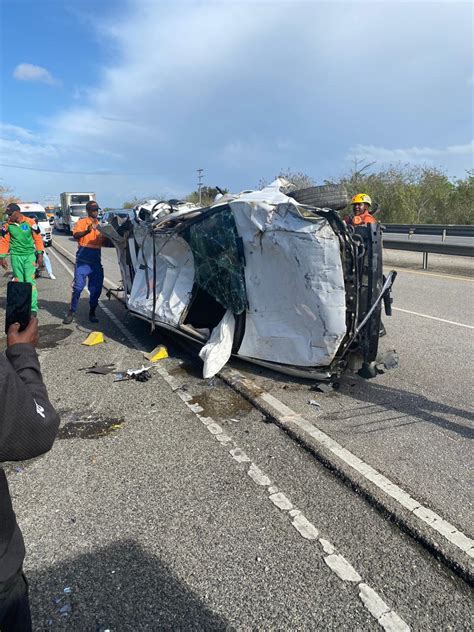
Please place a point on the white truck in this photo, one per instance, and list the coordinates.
(37, 212)
(73, 207)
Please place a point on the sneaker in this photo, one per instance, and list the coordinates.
(67, 320)
(92, 317)
(52, 277)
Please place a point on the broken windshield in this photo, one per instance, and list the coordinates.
(218, 259)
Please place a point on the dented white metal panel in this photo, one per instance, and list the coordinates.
(294, 280)
(218, 349)
(174, 277)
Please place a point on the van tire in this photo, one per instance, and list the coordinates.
(332, 196)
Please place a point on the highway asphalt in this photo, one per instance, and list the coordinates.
(141, 519)
(415, 424)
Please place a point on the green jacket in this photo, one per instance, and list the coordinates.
(21, 239)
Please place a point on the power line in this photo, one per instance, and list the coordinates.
(82, 173)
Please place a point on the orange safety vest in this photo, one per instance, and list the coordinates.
(93, 239)
(362, 220)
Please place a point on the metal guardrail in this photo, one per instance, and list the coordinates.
(441, 248)
(444, 230)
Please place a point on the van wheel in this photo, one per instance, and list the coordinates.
(332, 196)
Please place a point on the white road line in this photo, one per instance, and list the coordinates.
(441, 320)
(342, 568)
(65, 266)
(57, 246)
(105, 309)
(427, 516)
(430, 518)
(389, 619)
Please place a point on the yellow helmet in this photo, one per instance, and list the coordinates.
(361, 198)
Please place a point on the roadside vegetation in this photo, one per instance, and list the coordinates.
(6, 197)
(407, 194)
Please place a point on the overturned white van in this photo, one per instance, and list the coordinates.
(260, 275)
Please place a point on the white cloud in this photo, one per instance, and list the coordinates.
(26, 154)
(415, 155)
(244, 89)
(30, 72)
(14, 131)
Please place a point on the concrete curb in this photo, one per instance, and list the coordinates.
(442, 549)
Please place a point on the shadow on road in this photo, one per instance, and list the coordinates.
(412, 406)
(119, 587)
(52, 333)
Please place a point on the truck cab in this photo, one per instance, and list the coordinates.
(73, 207)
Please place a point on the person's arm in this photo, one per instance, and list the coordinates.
(4, 246)
(83, 233)
(37, 239)
(28, 421)
(79, 231)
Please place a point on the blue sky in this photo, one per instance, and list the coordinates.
(133, 96)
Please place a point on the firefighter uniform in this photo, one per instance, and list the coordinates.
(363, 219)
(22, 240)
(361, 203)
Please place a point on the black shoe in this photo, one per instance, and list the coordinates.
(67, 320)
(92, 317)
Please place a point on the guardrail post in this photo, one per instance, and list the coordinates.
(411, 232)
(444, 235)
(425, 261)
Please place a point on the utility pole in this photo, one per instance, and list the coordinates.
(200, 176)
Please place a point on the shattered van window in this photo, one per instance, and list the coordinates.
(219, 268)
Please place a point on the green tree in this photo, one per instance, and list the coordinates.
(461, 200)
(6, 197)
(208, 195)
(300, 179)
(133, 202)
(413, 194)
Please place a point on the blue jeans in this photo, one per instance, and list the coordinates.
(93, 273)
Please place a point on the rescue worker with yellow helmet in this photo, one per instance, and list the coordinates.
(361, 203)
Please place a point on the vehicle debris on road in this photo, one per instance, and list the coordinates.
(140, 375)
(101, 369)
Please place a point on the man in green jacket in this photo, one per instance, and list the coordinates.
(21, 239)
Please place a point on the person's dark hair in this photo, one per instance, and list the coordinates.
(92, 206)
(12, 207)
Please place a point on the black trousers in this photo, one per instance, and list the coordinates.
(14, 605)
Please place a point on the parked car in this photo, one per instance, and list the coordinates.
(274, 277)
